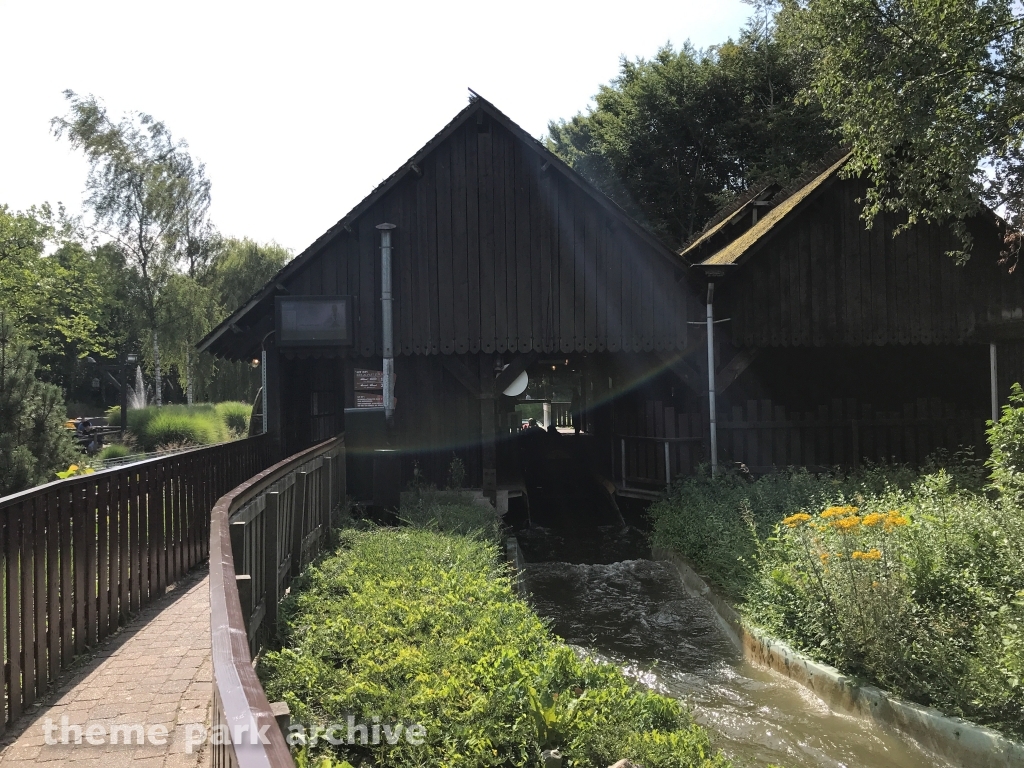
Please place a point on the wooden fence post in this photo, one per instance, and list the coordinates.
(244, 584)
(298, 529)
(272, 562)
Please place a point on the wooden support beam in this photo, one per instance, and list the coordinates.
(488, 432)
(519, 364)
(462, 372)
(732, 370)
(684, 369)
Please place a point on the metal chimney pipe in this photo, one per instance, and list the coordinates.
(712, 406)
(386, 324)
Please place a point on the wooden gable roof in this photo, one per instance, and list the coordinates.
(810, 274)
(499, 246)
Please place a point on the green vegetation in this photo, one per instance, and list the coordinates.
(452, 512)
(33, 442)
(182, 425)
(928, 95)
(423, 626)
(912, 581)
(114, 451)
(676, 136)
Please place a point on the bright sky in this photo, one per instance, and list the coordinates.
(299, 109)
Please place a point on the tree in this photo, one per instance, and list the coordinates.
(239, 269)
(242, 267)
(674, 138)
(928, 94)
(55, 302)
(33, 441)
(146, 193)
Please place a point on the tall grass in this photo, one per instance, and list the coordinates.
(185, 425)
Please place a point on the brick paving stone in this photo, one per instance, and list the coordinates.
(155, 672)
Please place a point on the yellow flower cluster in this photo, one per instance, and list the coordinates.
(892, 519)
(871, 554)
(794, 520)
(846, 524)
(838, 512)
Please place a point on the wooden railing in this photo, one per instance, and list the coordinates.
(648, 461)
(658, 444)
(561, 416)
(80, 555)
(263, 533)
(844, 434)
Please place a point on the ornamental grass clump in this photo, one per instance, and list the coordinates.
(185, 425)
(421, 627)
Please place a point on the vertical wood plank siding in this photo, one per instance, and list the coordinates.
(824, 280)
(495, 252)
(71, 551)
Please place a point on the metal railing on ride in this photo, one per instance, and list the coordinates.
(83, 554)
(262, 534)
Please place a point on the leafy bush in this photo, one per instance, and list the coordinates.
(717, 522)
(452, 512)
(113, 451)
(1006, 438)
(912, 581)
(422, 627)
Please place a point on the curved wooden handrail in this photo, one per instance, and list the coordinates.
(242, 701)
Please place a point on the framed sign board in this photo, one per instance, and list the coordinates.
(314, 321)
(368, 381)
(369, 400)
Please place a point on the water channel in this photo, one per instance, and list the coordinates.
(604, 597)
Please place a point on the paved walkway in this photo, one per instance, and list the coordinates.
(155, 673)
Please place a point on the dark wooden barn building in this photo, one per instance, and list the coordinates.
(832, 343)
(844, 343)
(504, 260)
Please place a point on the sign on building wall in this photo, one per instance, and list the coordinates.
(369, 388)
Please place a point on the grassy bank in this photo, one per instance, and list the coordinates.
(180, 425)
(420, 625)
(912, 581)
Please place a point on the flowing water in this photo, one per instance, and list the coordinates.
(636, 614)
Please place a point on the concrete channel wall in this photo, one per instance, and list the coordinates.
(958, 741)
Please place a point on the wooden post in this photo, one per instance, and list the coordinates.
(622, 445)
(271, 561)
(238, 546)
(244, 584)
(993, 373)
(487, 429)
(298, 529)
(668, 468)
(272, 398)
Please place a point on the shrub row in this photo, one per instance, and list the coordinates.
(422, 626)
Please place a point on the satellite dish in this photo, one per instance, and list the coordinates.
(518, 386)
